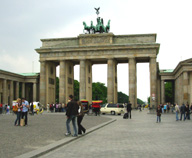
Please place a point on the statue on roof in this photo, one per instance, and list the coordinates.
(99, 28)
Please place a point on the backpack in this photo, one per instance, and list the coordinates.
(15, 109)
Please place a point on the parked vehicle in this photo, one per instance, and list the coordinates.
(113, 109)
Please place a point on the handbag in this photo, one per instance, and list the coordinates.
(22, 123)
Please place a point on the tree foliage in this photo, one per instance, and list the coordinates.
(122, 97)
(99, 91)
(76, 90)
(169, 92)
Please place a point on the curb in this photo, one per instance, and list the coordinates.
(48, 148)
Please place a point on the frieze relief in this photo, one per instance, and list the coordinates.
(94, 41)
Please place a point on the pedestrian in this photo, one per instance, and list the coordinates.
(158, 113)
(80, 118)
(187, 112)
(1, 108)
(162, 108)
(72, 112)
(8, 109)
(129, 109)
(182, 112)
(165, 108)
(177, 110)
(48, 107)
(63, 107)
(32, 112)
(25, 105)
(18, 112)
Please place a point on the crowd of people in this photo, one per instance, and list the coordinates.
(184, 110)
(4, 109)
(74, 112)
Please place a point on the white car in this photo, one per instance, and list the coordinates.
(112, 109)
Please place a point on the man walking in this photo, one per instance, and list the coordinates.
(25, 105)
(182, 112)
(72, 112)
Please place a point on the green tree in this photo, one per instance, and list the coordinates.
(99, 91)
(148, 100)
(169, 92)
(76, 90)
(122, 97)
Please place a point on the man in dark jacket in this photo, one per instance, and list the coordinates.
(129, 109)
(182, 112)
(72, 112)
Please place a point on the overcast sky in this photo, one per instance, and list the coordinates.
(25, 22)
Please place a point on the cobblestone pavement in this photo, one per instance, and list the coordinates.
(41, 131)
(138, 137)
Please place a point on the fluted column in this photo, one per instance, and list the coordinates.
(34, 91)
(132, 82)
(5, 98)
(153, 83)
(11, 92)
(23, 89)
(162, 92)
(82, 87)
(110, 87)
(17, 90)
(62, 79)
(43, 83)
(185, 87)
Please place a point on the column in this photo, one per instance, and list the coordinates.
(23, 89)
(34, 91)
(11, 92)
(185, 87)
(17, 90)
(82, 87)
(110, 87)
(162, 92)
(5, 101)
(88, 76)
(43, 83)
(132, 82)
(153, 83)
(62, 85)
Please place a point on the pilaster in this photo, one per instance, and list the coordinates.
(82, 87)
(17, 89)
(62, 80)
(5, 99)
(162, 91)
(23, 89)
(11, 93)
(153, 79)
(43, 83)
(185, 87)
(34, 91)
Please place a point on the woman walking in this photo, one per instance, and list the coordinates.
(18, 112)
(80, 118)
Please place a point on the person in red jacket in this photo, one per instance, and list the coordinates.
(96, 108)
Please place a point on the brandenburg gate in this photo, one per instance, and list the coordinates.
(89, 49)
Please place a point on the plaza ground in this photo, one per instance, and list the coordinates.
(138, 137)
